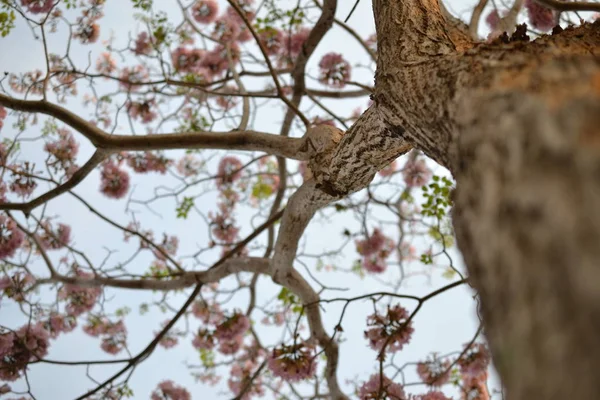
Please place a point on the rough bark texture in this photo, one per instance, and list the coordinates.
(518, 124)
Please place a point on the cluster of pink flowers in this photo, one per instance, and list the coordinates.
(64, 151)
(168, 390)
(52, 238)
(131, 77)
(474, 388)
(87, 31)
(187, 60)
(233, 327)
(11, 237)
(540, 17)
(58, 323)
(208, 313)
(143, 44)
(189, 165)
(3, 114)
(38, 6)
(169, 339)
(277, 319)
(475, 361)
(142, 110)
(17, 349)
(148, 162)
(114, 180)
(389, 170)
(203, 340)
(22, 183)
(335, 70)
(378, 387)
(241, 376)
(31, 82)
(416, 173)
(434, 371)
(205, 11)
(375, 249)
(391, 330)
(15, 286)
(114, 334)
(293, 363)
(223, 227)
(106, 63)
(493, 19)
(293, 44)
(272, 40)
(80, 298)
(434, 395)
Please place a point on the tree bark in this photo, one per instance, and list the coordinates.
(518, 125)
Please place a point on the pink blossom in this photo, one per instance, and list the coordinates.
(293, 363)
(246, 7)
(189, 165)
(58, 323)
(187, 60)
(209, 313)
(374, 264)
(389, 170)
(113, 334)
(335, 70)
(241, 376)
(377, 243)
(475, 361)
(80, 298)
(17, 349)
(3, 114)
(31, 82)
(148, 162)
(23, 183)
(227, 102)
(87, 31)
(143, 44)
(215, 63)
(229, 171)
(11, 237)
(37, 6)
(230, 346)
(390, 330)
(474, 388)
(169, 339)
(234, 326)
(226, 29)
(131, 77)
(54, 239)
(106, 63)
(294, 43)
(493, 19)
(143, 110)
(64, 150)
(16, 285)
(203, 340)
(114, 180)
(434, 371)
(223, 227)
(167, 390)
(435, 395)
(416, 173)
(540, 17)
(378, 387)
(205, 11)
(272, 40)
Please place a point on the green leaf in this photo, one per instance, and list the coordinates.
(261, 190)
(185, 207)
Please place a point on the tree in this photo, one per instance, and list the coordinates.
(516, 121)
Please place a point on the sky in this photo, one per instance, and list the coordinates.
(443, 325)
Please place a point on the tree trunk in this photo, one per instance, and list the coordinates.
(518, 125)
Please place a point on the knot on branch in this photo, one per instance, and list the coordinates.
(321, 142)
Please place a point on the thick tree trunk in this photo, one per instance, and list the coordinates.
(518, 124)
